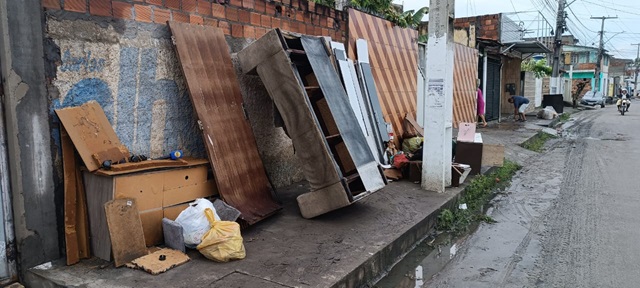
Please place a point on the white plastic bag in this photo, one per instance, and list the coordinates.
(194, 221)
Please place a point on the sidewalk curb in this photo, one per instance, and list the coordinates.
(378, 265)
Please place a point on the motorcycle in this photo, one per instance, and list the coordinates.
(623, 105)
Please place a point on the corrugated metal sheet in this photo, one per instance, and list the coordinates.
(465, 74)
(393, 54)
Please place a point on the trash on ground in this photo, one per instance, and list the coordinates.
(159, 261)
(223, 241)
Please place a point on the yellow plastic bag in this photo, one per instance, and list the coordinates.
(223, 241)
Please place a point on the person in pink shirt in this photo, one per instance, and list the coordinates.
(481, 105)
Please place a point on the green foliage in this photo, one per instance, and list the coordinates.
(477, 194)
(423, 38)
(386, 10)
(536, 143)
(539, 68)
(328, 3)
(407, 19)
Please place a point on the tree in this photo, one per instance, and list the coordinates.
(385, 9)
(539, 68)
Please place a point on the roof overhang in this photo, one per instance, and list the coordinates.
(527, 47)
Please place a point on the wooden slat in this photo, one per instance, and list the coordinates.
(231, 145)
(70, 196)
(125, 229)
(91, 133)
(82, 217)
(132, 167)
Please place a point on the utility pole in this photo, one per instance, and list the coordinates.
(438, 102)
(635, 83)
(557, 47)
(600, 50)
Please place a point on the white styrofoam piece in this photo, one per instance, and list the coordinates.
(477, 138)
(362, 50)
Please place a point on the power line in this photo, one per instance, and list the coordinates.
(613, 9)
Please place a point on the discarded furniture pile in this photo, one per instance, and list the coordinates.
(120, 206)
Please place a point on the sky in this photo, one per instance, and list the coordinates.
(619, 33)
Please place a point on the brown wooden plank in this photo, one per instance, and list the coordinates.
(91, 132)
(125, 230)
(70, 196)
(147, 164)
(113, 154)
(82, 218)
(419, 130)
(215, 94)
(132, 167)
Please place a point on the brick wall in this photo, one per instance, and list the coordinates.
(486, 26)
(237, 18)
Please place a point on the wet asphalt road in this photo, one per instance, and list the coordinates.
(571, 217)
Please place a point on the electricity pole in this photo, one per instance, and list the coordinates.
(438, 102)
(557, 47)
(600, 50)
(635, 83)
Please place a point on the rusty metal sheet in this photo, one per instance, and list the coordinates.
(215, 93)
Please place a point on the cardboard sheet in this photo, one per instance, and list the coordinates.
(153, 265)
(92, 134)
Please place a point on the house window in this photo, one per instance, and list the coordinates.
(575, 58)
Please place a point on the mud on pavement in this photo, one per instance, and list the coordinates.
(544, 224)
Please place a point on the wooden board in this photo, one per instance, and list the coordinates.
(82, 217)
(153, 265)
(419, 130)
(91, 133)
(70, 196)
(125, 230)
(492, 155)
(215, 94)
(133, 167)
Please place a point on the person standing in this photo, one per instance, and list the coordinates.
(520, 104)
(481, 105)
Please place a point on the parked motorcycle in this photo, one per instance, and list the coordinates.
(623, 105)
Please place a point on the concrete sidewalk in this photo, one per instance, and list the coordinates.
(351, 247)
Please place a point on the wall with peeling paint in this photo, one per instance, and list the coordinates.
(131, 69)
(133, 75)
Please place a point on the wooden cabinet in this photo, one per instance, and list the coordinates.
(158, 193)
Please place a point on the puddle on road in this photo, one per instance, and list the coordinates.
(425, 261)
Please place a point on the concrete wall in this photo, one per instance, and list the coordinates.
(28, 135)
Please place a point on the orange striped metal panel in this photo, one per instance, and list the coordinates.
(465, 74)
(393, 53)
